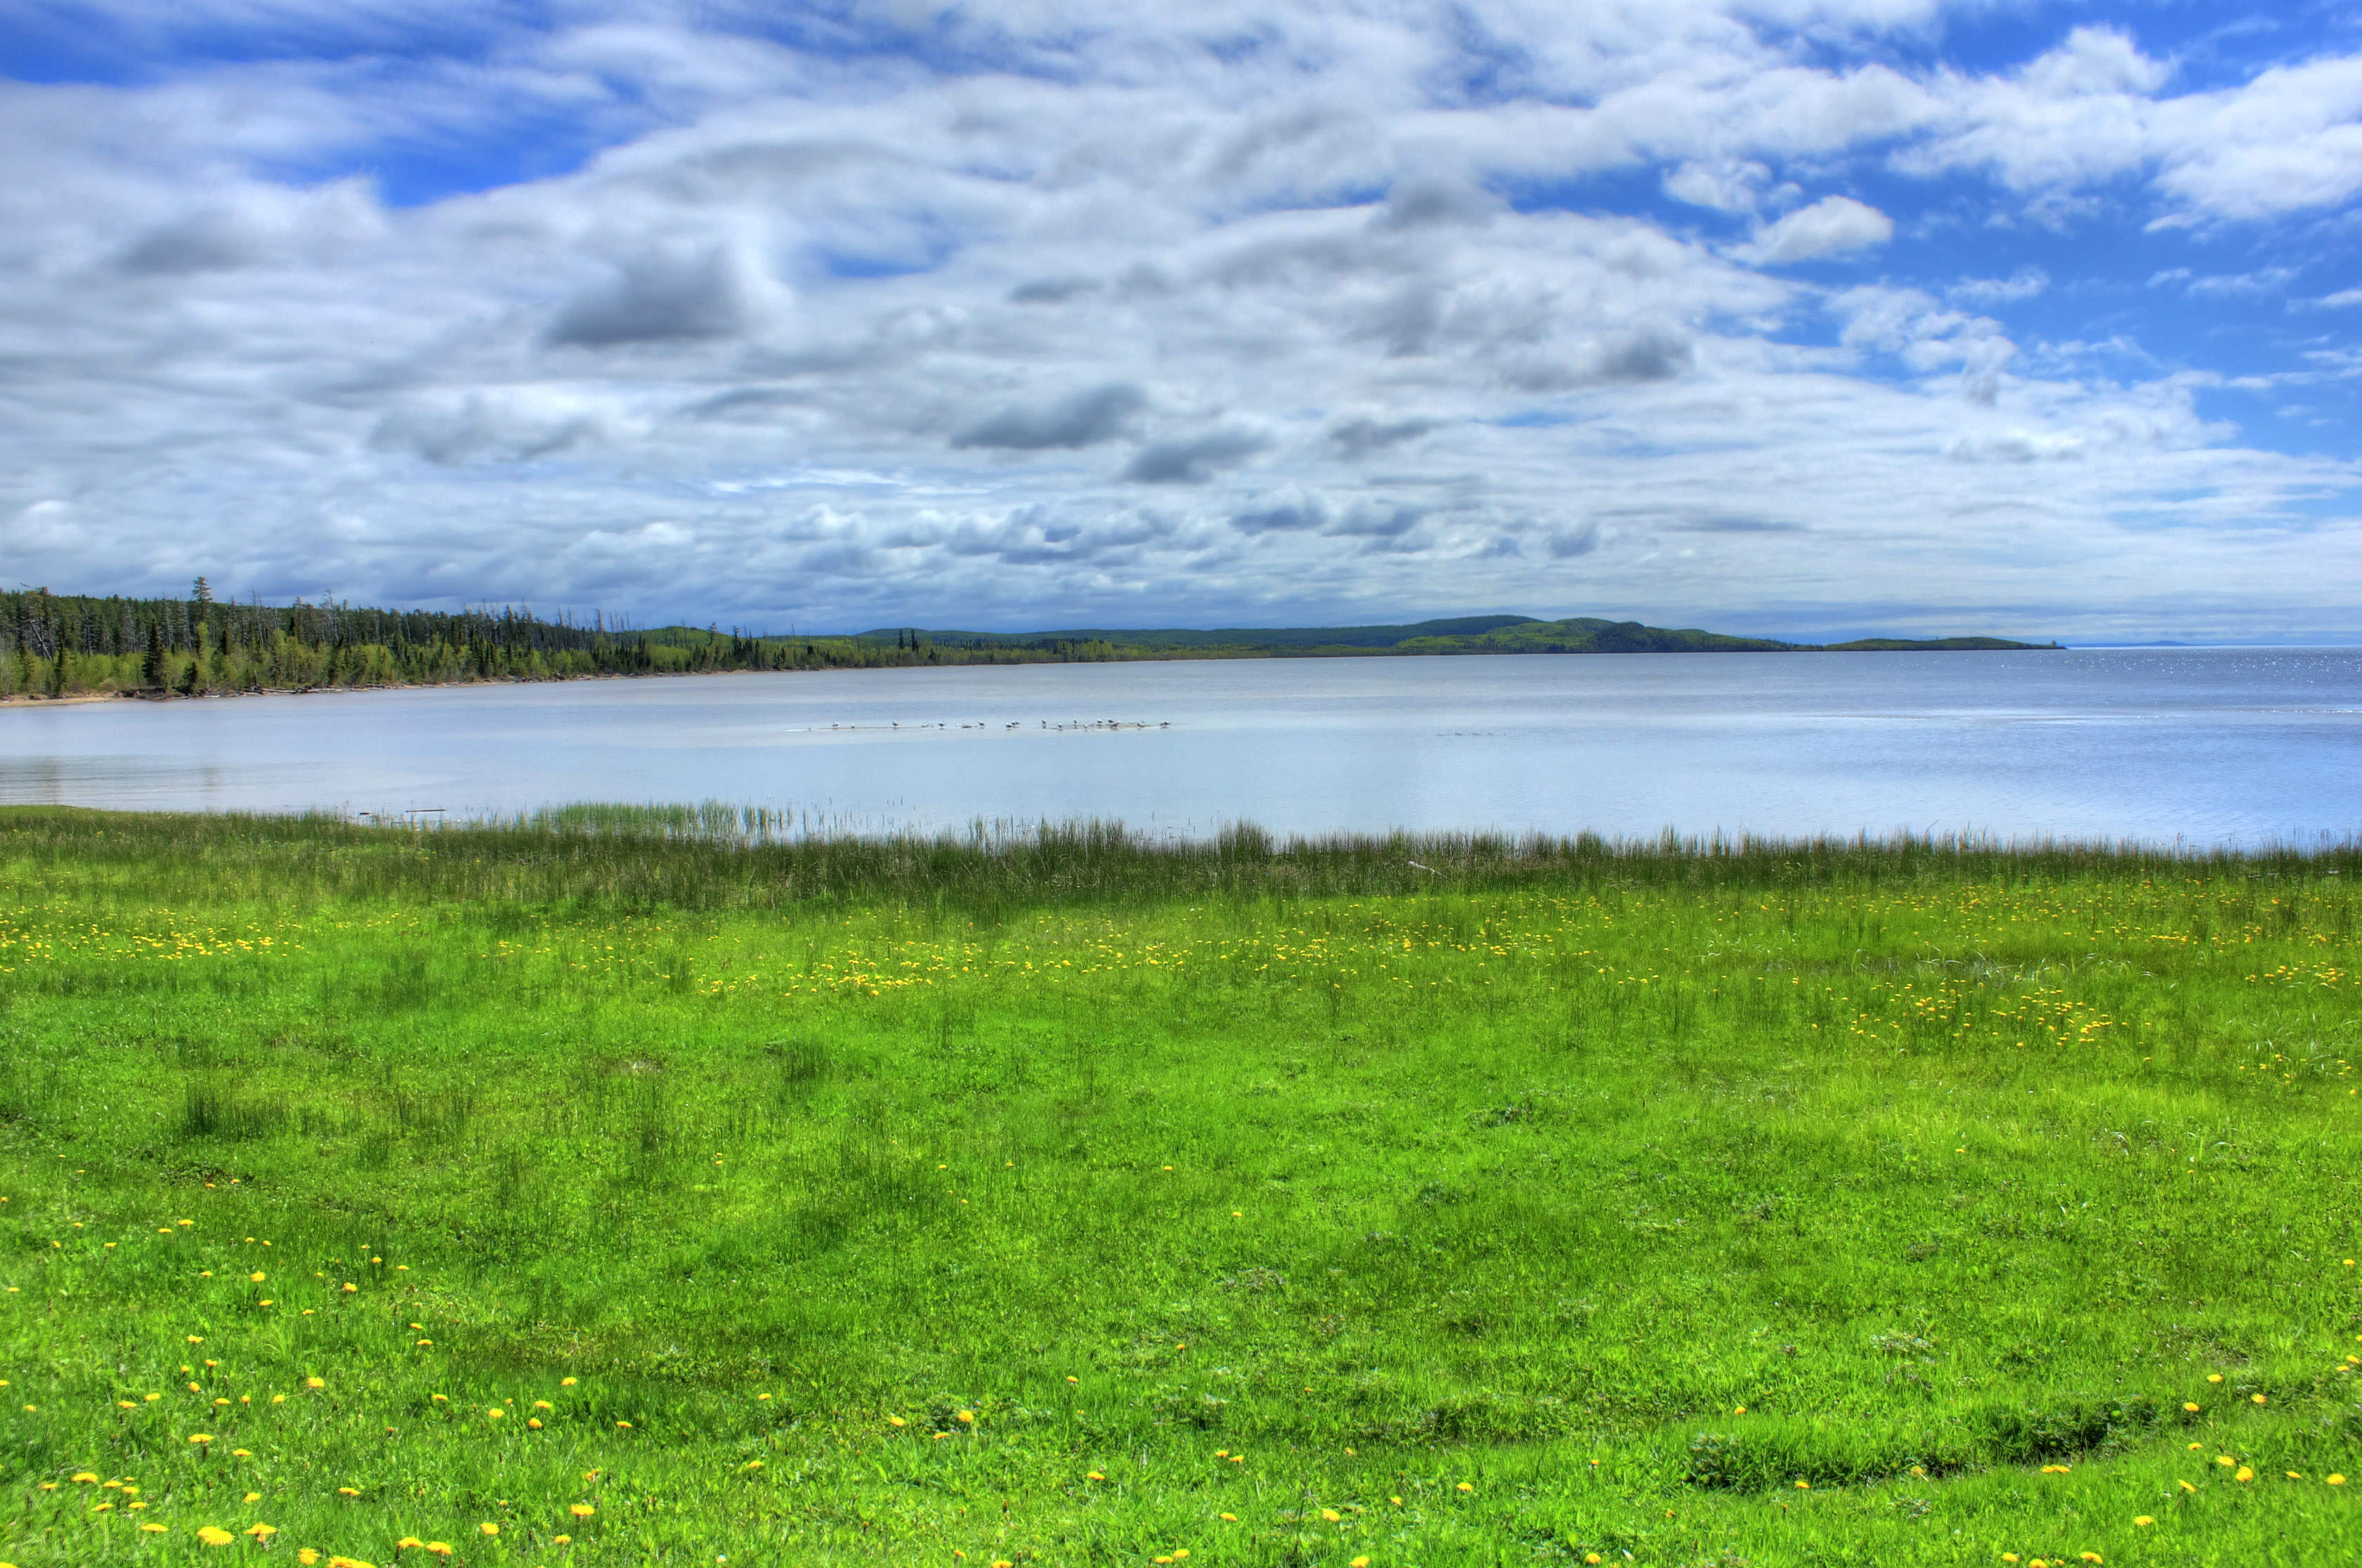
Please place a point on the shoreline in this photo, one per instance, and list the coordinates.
(39, 699)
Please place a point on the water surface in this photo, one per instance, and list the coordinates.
(2203, 746)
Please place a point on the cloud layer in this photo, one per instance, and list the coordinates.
(1763, 314)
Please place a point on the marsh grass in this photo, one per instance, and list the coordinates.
(1696, 1202)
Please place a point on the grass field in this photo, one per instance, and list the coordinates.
(604, 1190)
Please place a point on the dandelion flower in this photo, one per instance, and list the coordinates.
(2335, 1480)
(256, 1277)
(2226, 1460)
(1396, 1501)
(534, 1421)
(2242, 1474)
(2142, 1521)
(1803, 1486)
(1467, 1486)
(262, 1532)
(201, 1438)
(1331, 1515)
(1360, 1562)
(563, 1539)
(2185, 1486)
(1093, 1476)
(86, 1477)
(580, 1510)
(2190, 1406)
(543, 1405)
(252, 1496)
(2295, 1476)
(152, 1528)
(966, 1418)
(316, 1382)
(566, 1383)
(352, 1289)
(896, 1421)
(2090, 1557)
(493, 1412)
(488, 1528)
(2257, 1398)
(1229, 1518)
(306, 1556)
(2213, 1377)
(408, 1544)
(623, 1426)
(214, 1535)
(348, 1491)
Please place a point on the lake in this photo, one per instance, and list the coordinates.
(2203, 745)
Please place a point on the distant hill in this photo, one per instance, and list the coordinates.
(1464, 634)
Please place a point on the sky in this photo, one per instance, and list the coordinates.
(1798, 317)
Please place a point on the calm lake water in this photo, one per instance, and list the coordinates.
(2206, 745)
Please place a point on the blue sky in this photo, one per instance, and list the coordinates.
(1804, 316)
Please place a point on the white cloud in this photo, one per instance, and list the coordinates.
(1096, 311)
(1833, 225)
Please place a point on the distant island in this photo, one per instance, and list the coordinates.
(80, 647)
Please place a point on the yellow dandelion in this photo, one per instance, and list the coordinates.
(85, 1478)
(2090, 1557)
(316, 1382)
(152, 1528)
(2335, 1480)
(2185, 1486)
(1331, 1515)
(534, 1421)
(2242, 1474)
(2213, 1377)
(2226, 1460)
(2142, 1521)
(251, 1496)
(1360, 1562)
(2256, 1398)
(566, 1383)
(201, 1438)
(408, 1544)
(1093, 1476)
(965, 1418)
(488, 1528)
(1396, 1501)
(255, 1278)
(1467, 1486)
(623, 1426)
(1803, 1486)
(352, 1289)
(262, 1532)
(493, 1412)
(1229, 1518)
(580, 1510)
(543, 1405)
(214, 1535)
(348, 1491)
(563, 1539)
(306, 1556)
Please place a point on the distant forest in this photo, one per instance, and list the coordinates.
(54, 645)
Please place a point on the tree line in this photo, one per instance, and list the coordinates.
(56, 644)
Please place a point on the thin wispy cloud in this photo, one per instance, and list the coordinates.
(1032, 313)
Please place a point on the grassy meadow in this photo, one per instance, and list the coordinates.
(601, 1189)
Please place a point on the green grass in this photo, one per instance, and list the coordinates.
(1278, 1204)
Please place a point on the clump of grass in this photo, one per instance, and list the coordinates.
(1071, 1197)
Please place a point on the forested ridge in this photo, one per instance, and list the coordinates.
(58, 646)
